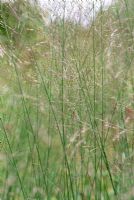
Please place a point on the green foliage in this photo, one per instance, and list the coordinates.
(20, 21)
(66, 105)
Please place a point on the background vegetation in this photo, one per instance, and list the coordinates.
(66, 104)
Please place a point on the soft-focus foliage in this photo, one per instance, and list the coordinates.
(66, 104)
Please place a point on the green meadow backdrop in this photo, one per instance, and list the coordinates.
(66, 104)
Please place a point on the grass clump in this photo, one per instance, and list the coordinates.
(66, 104)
